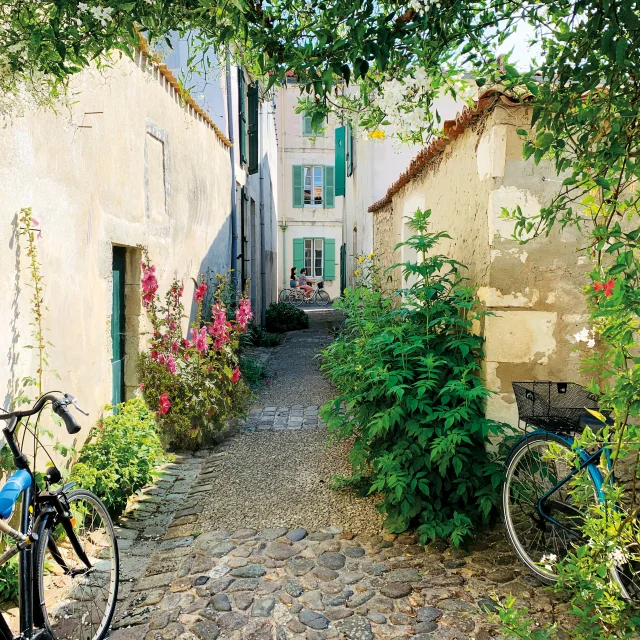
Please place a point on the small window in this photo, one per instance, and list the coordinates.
(307, 129)
(314, 256)
(313, 186)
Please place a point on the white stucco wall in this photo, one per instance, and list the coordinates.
(128, 166)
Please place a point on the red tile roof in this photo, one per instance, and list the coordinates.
(452, 129)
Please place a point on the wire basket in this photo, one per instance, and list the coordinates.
(553, 406)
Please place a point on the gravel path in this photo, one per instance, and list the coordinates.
(282, 477)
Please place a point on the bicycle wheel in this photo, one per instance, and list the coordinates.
(77, 570)
(284, 296)
(534, 468)
(296, 297)
(323, 298)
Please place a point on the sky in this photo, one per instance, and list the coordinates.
(523, 53)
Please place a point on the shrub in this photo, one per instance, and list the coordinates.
(258, 337)
(410, 391)
(282, 317)
(120, 454)
(194, 384)
(253, 371)
(9, 581)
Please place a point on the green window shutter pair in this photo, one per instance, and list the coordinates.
(329, 259)
(298, 187)
(298, 253)
(340, 161)
(242, 133)
(253, 100)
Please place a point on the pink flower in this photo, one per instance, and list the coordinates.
(198, 296)
(164, 404)
(243, 314)
(161, 359)
(149, 284)
(171, 365)
(200, 338)
(154, 355)
(141, 387)
(174, 346)
(236, 375)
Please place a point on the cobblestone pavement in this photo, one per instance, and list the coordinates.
(190, 579)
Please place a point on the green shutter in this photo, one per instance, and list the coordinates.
(298, 187)
(329, 259)
(340, 161)
(307, 130)
(298, 254)
(242, 134)
(253, 104)
(118, 325)
(349, 154)
(329, 188)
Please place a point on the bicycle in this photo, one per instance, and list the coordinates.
(297, 297)
(542, 506)
(68, 552)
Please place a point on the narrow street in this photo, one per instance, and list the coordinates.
(260, 546)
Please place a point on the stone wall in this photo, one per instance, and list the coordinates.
(128, 166)
(532, 290)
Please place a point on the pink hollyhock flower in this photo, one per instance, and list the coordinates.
(243, 314)
(154, 355)
(149, 284)
(200, 338)
(171, 365)
(186, 356)
(161, 359)
(235, 376)
(164, 404)
(141, 387)
(174, 346)
(198, 296)
(608, 287)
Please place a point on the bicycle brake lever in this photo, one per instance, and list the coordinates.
(74, 402)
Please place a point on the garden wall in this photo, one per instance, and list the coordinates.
(128, 165)
(533, 291)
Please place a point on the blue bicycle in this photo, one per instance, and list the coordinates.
(543, 505)
(68, 553)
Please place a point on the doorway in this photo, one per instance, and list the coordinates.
(118, 318)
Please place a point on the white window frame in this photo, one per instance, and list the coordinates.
(312, 168)
(317, 244)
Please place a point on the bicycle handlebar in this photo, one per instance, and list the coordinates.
(60, 407)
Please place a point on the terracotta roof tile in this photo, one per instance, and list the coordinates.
(452, 129)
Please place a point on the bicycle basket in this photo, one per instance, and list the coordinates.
(553, 406)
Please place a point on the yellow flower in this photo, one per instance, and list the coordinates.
(358, 368)
(356, 272)
(377, 134)
(370, 256)
(361, 259)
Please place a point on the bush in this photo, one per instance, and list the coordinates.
(258, 337)
(282, 317)
(119, 456)
(253, 371)
(10, 580)
(195, 384)
(410, 391)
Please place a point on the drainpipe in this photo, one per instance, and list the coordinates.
(263, 253)
(234, 222)
(283, 225)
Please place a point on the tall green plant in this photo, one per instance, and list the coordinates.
(411, 392)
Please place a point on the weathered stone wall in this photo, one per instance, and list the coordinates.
(386, 235)
(128, 165)
(533, 291)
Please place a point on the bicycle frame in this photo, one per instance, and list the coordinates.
(588, 461)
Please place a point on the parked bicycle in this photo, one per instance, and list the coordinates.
(66, 542)
(543, 503)
(297, 298)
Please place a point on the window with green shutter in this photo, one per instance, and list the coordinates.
(298, 253)
(316, 255)
(329, 188)
(307, 128)
(340, 164)
(242, 112)
(298, 186)
(253, 104)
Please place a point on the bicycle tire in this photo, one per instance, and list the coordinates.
(517, 523)
(66, 621)
(296, 297)
(284, 295)
(323, 298)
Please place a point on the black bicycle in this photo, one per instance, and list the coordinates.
(68, 553)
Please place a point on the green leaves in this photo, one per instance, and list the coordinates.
(410, 392)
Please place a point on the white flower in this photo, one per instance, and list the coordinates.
(83, 6)
(617, 557)
(586, 335)
(548, 561)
